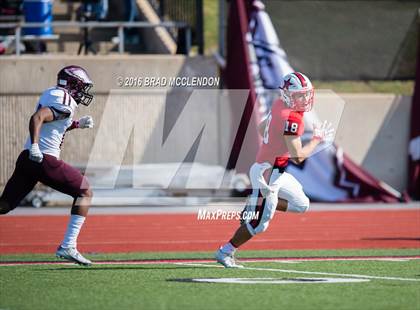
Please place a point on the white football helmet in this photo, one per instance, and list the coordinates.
(297, 92)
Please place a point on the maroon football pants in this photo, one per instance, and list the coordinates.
(51, 171)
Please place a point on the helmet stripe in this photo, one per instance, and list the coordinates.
(301, 79)
(68, 100)
(65, 97)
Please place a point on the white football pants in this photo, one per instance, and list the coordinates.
(281, 185)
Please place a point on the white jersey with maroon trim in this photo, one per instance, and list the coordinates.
(51, 135)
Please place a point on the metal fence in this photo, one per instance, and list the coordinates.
(187, 11)
(186, 30)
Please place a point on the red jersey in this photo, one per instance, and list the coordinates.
(280, 122)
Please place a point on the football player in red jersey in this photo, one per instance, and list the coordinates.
(39, 161)
(281, 131)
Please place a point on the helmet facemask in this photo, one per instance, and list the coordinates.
(300, 100)
(81, 93)
(86, 96)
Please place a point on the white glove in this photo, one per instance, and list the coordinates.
(324, 132)
(35, 153)
(86, 122)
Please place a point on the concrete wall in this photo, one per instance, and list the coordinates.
(128, 129)
(374, 132)
(22, 80)
(32, 74)
(373, 128)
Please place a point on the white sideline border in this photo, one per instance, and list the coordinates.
(322, 280)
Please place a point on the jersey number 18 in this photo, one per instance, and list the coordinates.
(290, 127)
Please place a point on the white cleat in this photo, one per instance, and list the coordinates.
(72, 255)
(226, 259)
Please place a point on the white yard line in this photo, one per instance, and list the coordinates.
(335, 259)
(309, 272)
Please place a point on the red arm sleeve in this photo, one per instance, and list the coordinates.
(293, 125)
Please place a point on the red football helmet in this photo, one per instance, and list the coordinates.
(297, 92)
(78, 83)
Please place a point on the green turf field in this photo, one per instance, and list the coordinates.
(387, 284)
(385, 87)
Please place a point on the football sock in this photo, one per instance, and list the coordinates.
(73, 230)
(228, 248)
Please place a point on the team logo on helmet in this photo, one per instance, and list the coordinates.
(78, 83)
(297, 92)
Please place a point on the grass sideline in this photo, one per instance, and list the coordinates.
(388, 87)
(168, 286)
(211, 35)
(211, 26)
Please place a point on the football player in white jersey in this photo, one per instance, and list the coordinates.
(39, 161)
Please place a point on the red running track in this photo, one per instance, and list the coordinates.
(183, 232)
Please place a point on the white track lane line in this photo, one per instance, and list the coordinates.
(309, 272)
(283, 260)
